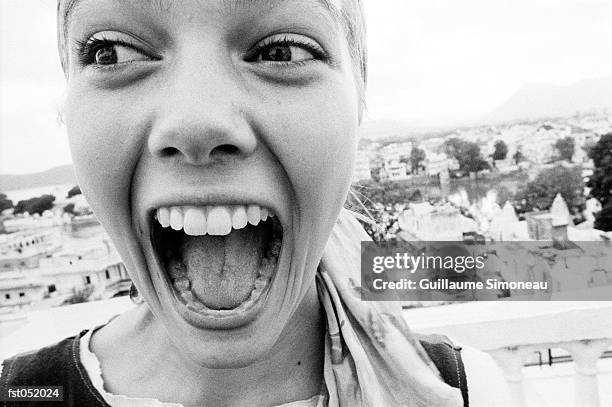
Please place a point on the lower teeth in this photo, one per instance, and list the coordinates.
(182, 284)
(195, 305)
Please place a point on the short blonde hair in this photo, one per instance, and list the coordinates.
(352, 20)
(356, 33)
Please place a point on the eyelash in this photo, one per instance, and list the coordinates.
(86, 50)
(317, 52)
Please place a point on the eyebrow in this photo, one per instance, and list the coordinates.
(164, 5)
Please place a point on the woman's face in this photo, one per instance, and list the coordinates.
(187, 122)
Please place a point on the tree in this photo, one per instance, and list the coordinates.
(466, 153)
(601, 180)
(518, 156)
(387, 193)
(69, 208)
(565, 147)
(541, 192)
(453, 146)
(35, 205)
(603, 220)
(5, 203)
(471, 160)
(586, 147)
(417, 156)
(501, 150)
(75, 190)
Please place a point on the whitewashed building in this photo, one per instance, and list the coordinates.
(394, 171)
(426, 222)
(18, 291)
(362, 170)
(437, 163)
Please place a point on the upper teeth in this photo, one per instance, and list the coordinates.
(212, 220)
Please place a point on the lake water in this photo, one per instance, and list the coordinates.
(475, 189)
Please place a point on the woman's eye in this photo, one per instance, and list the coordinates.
(106, 49)
(285, 53)
(112, 54)
(286, 49)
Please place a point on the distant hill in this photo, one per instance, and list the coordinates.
(389, 130)
(58, 175)
(534, 101)
(382, 129)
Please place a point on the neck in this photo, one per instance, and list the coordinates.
(292, 370)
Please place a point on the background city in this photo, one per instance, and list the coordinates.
(487, 121)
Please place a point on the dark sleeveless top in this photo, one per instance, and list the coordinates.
(59, 365)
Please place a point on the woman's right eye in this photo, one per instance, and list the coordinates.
(106, 52)
(117, 54)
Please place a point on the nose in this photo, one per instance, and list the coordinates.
(201, 117)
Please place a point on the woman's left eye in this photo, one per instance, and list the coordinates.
(286, 49)
(285, 53)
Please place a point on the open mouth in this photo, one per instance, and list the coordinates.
(218, 260)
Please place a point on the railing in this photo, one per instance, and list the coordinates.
(512, 332)
(585, 353)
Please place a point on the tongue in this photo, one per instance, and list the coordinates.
(223, 269)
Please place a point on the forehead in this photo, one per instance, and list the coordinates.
(67, 7)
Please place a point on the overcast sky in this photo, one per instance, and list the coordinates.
(431, 62)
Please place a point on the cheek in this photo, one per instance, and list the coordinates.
(105, 144)
(315, 141)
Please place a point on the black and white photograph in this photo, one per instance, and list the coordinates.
(306, 203)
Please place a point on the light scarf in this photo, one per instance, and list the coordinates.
(375, 359)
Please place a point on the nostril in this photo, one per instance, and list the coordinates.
(169, 152)
(195, 156)
(224, 149)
